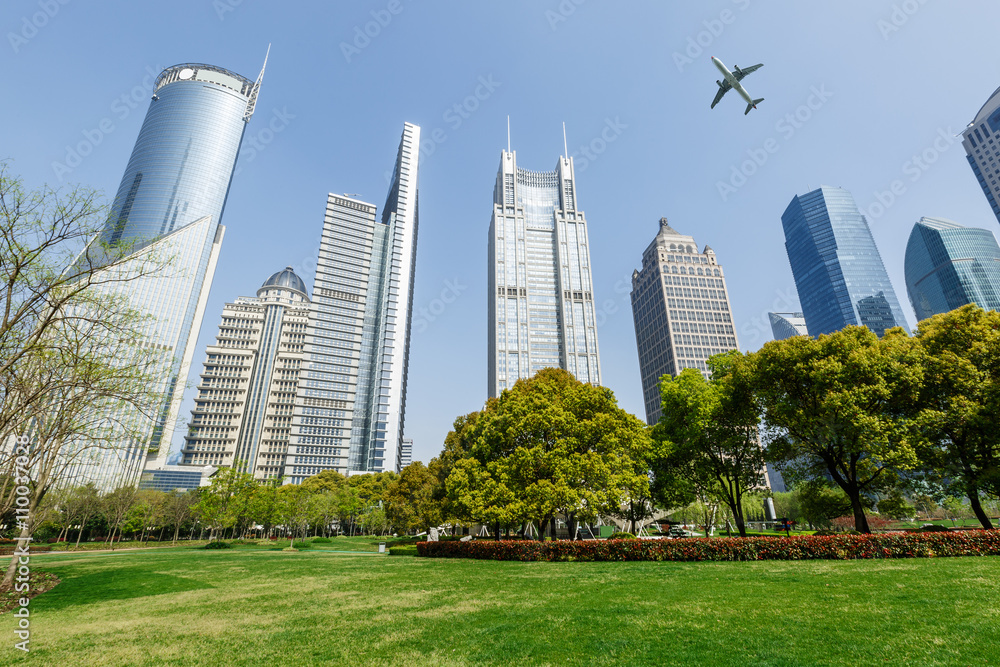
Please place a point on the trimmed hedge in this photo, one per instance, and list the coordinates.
(806, 547)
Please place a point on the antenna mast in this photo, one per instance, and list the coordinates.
(565, 150)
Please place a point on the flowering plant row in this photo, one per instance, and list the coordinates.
(832, 547)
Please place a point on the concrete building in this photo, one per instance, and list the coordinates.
(681, 312)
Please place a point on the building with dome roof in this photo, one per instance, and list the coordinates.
(243, 410)
(982, 149)
(680, 307)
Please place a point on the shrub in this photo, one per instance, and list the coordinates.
(621, 536)
(322, 540)
(808, 547)
(405, 550)
(218, 544)
(934, 528)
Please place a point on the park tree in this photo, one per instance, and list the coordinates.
(842, 405)
(116, 508)
(178, 508)
(894, 506)
(456, 445)
(410, 499)
(713, 428)
(961, 402)
(550, 445)
(295, 509)
(225, 502)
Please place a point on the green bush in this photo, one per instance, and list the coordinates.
(934, 528)
(218, 544)
(322, 540)
(405, 550)
(621, 536)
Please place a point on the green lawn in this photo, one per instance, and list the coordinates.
(260, 607)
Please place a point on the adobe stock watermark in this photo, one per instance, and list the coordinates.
(714, 27)
(589, 152)
(30, 25)
(223, 7)
(915, 167)
(22, 583)
(785, 301)
(121, 108)
(786, 127)
(609, 307)
(255, 143)
(455, 116)
(899, 16)
(428, 314)
(563, 11)
(363, 35)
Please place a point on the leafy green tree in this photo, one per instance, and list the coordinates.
(294, 505)
(550, 445)
(456, 446)
(895, 506)
(225, 503)
(842, 405)
(822, 502)
(327, 480)
(956, 509)
(961, 401)
(116, 507)
(411, 499)
(179, 507)
(713, 427)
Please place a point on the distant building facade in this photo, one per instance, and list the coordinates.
(351, 401)
(406, 453)
(787, 325)
(541, 304)
(838, 271)
(176, 478)
(681, 311)
(982, 149)
(243, 410)
(948, 265)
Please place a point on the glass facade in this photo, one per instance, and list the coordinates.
(175, 478)
(948, 265)
(351, 401)
(681, 312)
(242, 414)
(541, 304)
(787, 325)
(838, 271)
(982, 149)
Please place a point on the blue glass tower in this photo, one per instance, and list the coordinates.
(981, 140)
(838, 271)
(948, 265)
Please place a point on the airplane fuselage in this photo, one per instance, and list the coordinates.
(731, 79)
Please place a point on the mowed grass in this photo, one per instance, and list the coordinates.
(262, 607)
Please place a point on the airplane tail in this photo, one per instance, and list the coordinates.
(753, 105)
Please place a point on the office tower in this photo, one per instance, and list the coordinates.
(170, 205)
(982, 149)
(787, 325)
(243, 410)
(948, 265)
(351, 400)
(541, 304)
(681, 311)
(837, 268)
(406, 453)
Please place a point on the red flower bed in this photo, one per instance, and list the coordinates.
(833, 547)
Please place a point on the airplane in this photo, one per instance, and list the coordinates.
(732, 80)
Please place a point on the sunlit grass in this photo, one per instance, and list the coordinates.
(260, 606)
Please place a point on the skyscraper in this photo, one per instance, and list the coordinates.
(982, 149)
(170, 201)
(351, 400)
(681, 311)
(837, 268)
(787, 325)
(541, 303)
(243, 409)
(948, 265)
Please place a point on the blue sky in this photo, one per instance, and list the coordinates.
(854, 91)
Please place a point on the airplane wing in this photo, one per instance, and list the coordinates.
(741, 73)
(723, 89)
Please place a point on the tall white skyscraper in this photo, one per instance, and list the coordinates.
(541, 303)
(243, 410)
(982, 148)
(681, 312)
(351, 401)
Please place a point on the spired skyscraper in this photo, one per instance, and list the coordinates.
(170, 204)
(351, 399)
(948, 265)
(838, 271)
(541, 303)
(982, 149)
(680, 307)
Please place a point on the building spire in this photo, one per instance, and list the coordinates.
(252, 100)
(508, 133)
(565, 150)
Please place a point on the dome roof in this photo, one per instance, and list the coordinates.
(286, 279)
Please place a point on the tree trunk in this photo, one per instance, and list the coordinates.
(860, 520)
(496, 535)
(8, 580)
(177, 530)
(552, 527)
(977, 507)
(80, 534)
(571, 525)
